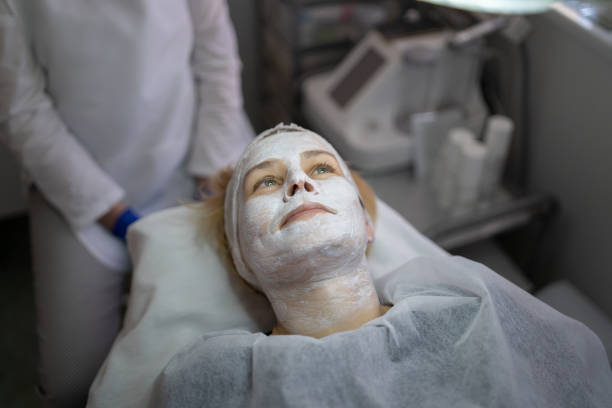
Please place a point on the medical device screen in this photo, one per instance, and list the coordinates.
(354, 80)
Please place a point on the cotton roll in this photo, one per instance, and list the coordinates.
(498, 135)
(451, 160)
(469, 176)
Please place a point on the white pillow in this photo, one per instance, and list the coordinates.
(181, 289)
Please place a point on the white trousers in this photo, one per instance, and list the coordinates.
(79, 307)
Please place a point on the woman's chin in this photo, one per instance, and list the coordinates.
(326, 254)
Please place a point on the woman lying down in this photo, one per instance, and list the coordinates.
(450, 332)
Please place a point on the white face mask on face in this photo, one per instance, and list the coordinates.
(297, 212)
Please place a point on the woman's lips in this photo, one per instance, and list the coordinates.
(303, 212)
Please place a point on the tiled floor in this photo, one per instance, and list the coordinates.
(18, 348)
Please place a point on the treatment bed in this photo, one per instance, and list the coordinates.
(181, 291)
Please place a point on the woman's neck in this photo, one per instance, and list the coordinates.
(317, 309)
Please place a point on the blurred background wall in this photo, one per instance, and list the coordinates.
(570, 149)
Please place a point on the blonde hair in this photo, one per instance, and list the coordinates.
(213, 221)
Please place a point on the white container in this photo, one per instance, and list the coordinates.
(430, 130)
(470, 174)
(498, 135)
(445, 173)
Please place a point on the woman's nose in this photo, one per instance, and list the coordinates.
(297, 185)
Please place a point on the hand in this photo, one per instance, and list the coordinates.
(109, 219)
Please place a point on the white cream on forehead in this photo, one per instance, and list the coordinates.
(284, 146)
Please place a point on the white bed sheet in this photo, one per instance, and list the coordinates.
(181, 289)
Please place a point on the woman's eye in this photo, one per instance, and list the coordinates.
(322, 168)
(267, 182)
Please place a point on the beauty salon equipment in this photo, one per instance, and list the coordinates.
(418, 130)
(365, 104)
(497, 6)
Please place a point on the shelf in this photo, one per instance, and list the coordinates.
(457, 227)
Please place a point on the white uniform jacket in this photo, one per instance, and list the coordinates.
(112, 100)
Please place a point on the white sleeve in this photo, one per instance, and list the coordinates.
(33, 130)
(221, 128)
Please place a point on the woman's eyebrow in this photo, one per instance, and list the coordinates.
(263, 165)
(311, 153)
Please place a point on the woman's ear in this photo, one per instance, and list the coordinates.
(370, 229)
(368, 199)
(367, 196)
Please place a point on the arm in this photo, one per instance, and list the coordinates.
(32, 129)
(221, 130)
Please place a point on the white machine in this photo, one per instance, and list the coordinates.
(364, 106)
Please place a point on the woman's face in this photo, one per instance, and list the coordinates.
(299, 213)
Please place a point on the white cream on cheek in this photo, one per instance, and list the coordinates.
(304, 249)
(300, 249)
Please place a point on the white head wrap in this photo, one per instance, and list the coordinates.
(234, 195)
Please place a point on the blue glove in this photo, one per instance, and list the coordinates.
(123, 222)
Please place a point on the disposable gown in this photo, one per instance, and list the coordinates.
(111, 100)
(458, 335)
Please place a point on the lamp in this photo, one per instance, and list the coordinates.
(497, 6)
